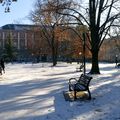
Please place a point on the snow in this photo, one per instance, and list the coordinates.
(35, 92)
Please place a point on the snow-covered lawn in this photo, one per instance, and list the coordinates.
(35, 92)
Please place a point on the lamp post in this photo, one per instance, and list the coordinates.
(116, 59)
(79, 58)
(84, 60)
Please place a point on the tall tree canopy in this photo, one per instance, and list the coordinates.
(100, 16)
(103, 15)
(51, 22)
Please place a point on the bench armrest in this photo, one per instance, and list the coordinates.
(72, 80)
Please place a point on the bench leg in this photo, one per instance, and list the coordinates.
(75, 97)
(89, 95)
(1, 72)
(69, 88)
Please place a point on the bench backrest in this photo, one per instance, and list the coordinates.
(81, 66)
(84, 80)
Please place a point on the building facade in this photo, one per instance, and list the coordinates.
(26, 41)
(29, 44)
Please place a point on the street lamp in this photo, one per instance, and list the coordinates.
(7, 3)
(80, 53)
(84, 60)
(116, 59)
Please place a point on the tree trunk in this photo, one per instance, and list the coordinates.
(95, 64)
(54, 60)
(54, 57)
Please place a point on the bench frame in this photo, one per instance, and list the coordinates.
(0, 70)
(118, 65)
(79, 69)
(82, 84)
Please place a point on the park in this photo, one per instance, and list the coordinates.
(35, 92)
(60, 60)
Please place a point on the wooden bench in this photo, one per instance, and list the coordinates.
(118, 65)
(82, 84)
(79, 69)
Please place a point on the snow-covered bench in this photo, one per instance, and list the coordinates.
(118, 65)
(82, 84)
(79, 69)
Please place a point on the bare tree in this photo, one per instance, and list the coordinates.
(7, 4)
(50, 22)
(99, 16)
(102, 16)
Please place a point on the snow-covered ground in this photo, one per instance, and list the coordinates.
(35, 92)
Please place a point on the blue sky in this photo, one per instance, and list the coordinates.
(18, 12)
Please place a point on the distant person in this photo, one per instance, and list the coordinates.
(2, 64)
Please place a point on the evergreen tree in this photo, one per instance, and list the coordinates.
(9, 50)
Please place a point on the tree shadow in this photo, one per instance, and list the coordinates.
(42, 99)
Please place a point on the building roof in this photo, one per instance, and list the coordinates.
(18, 27)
